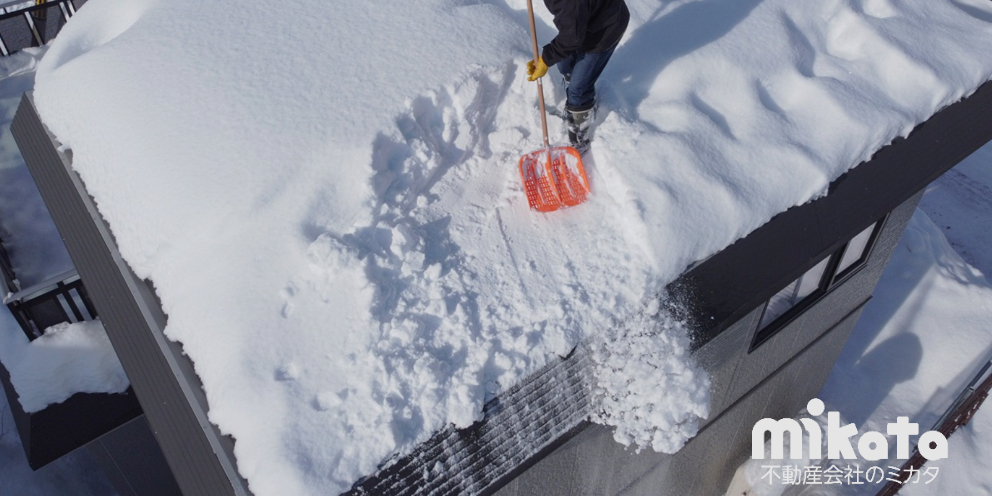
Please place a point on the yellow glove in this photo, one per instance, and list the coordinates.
(538, 70)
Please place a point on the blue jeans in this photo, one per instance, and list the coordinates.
(581, 70)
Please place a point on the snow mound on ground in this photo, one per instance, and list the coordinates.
(646, 384)
(968, 474)
(325, 196)
(67, 359)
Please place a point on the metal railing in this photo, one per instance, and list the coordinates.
(33, 23)
(61, 298)
(958, 414)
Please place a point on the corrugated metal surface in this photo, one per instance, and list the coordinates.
(527, 419)
(594, 464)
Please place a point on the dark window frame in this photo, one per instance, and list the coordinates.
(829, 280)
(862, 261)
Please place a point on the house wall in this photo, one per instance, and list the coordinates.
(775, 380)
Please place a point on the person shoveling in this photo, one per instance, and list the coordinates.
(588, 33)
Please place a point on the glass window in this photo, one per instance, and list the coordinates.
(831, 271)
(779, 304)
(810, 281)
(794, 293)
(855, 250)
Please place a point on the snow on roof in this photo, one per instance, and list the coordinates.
(325, 196)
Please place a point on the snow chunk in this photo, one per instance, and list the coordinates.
(647, 385)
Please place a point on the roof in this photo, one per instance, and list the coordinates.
(360, 257)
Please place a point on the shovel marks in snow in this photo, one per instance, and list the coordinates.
(445, 131)
(427, 338)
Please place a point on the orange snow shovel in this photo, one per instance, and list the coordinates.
(553, 176)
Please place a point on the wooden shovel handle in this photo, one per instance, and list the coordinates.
(540, 87)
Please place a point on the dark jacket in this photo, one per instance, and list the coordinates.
(586, 26)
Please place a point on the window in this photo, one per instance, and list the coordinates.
(791, 301)
(794, 293)
(856, 251)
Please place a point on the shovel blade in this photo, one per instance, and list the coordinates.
(552, 184)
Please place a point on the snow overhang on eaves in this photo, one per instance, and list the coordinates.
(543, 411)
(724, 288)
(200, 457)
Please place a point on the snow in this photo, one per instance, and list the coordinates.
(928, 287)
(960, 202)
(325, 197)
(75, 474)
(919, 342)
(66, 359)
(970, 447)
(647, 354)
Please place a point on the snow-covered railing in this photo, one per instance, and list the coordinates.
(61, 298)
(32, 23)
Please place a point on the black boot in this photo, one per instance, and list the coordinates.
(578, 128)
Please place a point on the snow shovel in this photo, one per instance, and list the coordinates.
(553, 176)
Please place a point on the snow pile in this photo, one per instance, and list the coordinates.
(75, 474)
(646, 384)
(67, 359)
(325, 196)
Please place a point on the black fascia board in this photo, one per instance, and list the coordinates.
(730, 284)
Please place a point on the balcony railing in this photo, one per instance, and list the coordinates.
(57, 299)
(33, 22)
